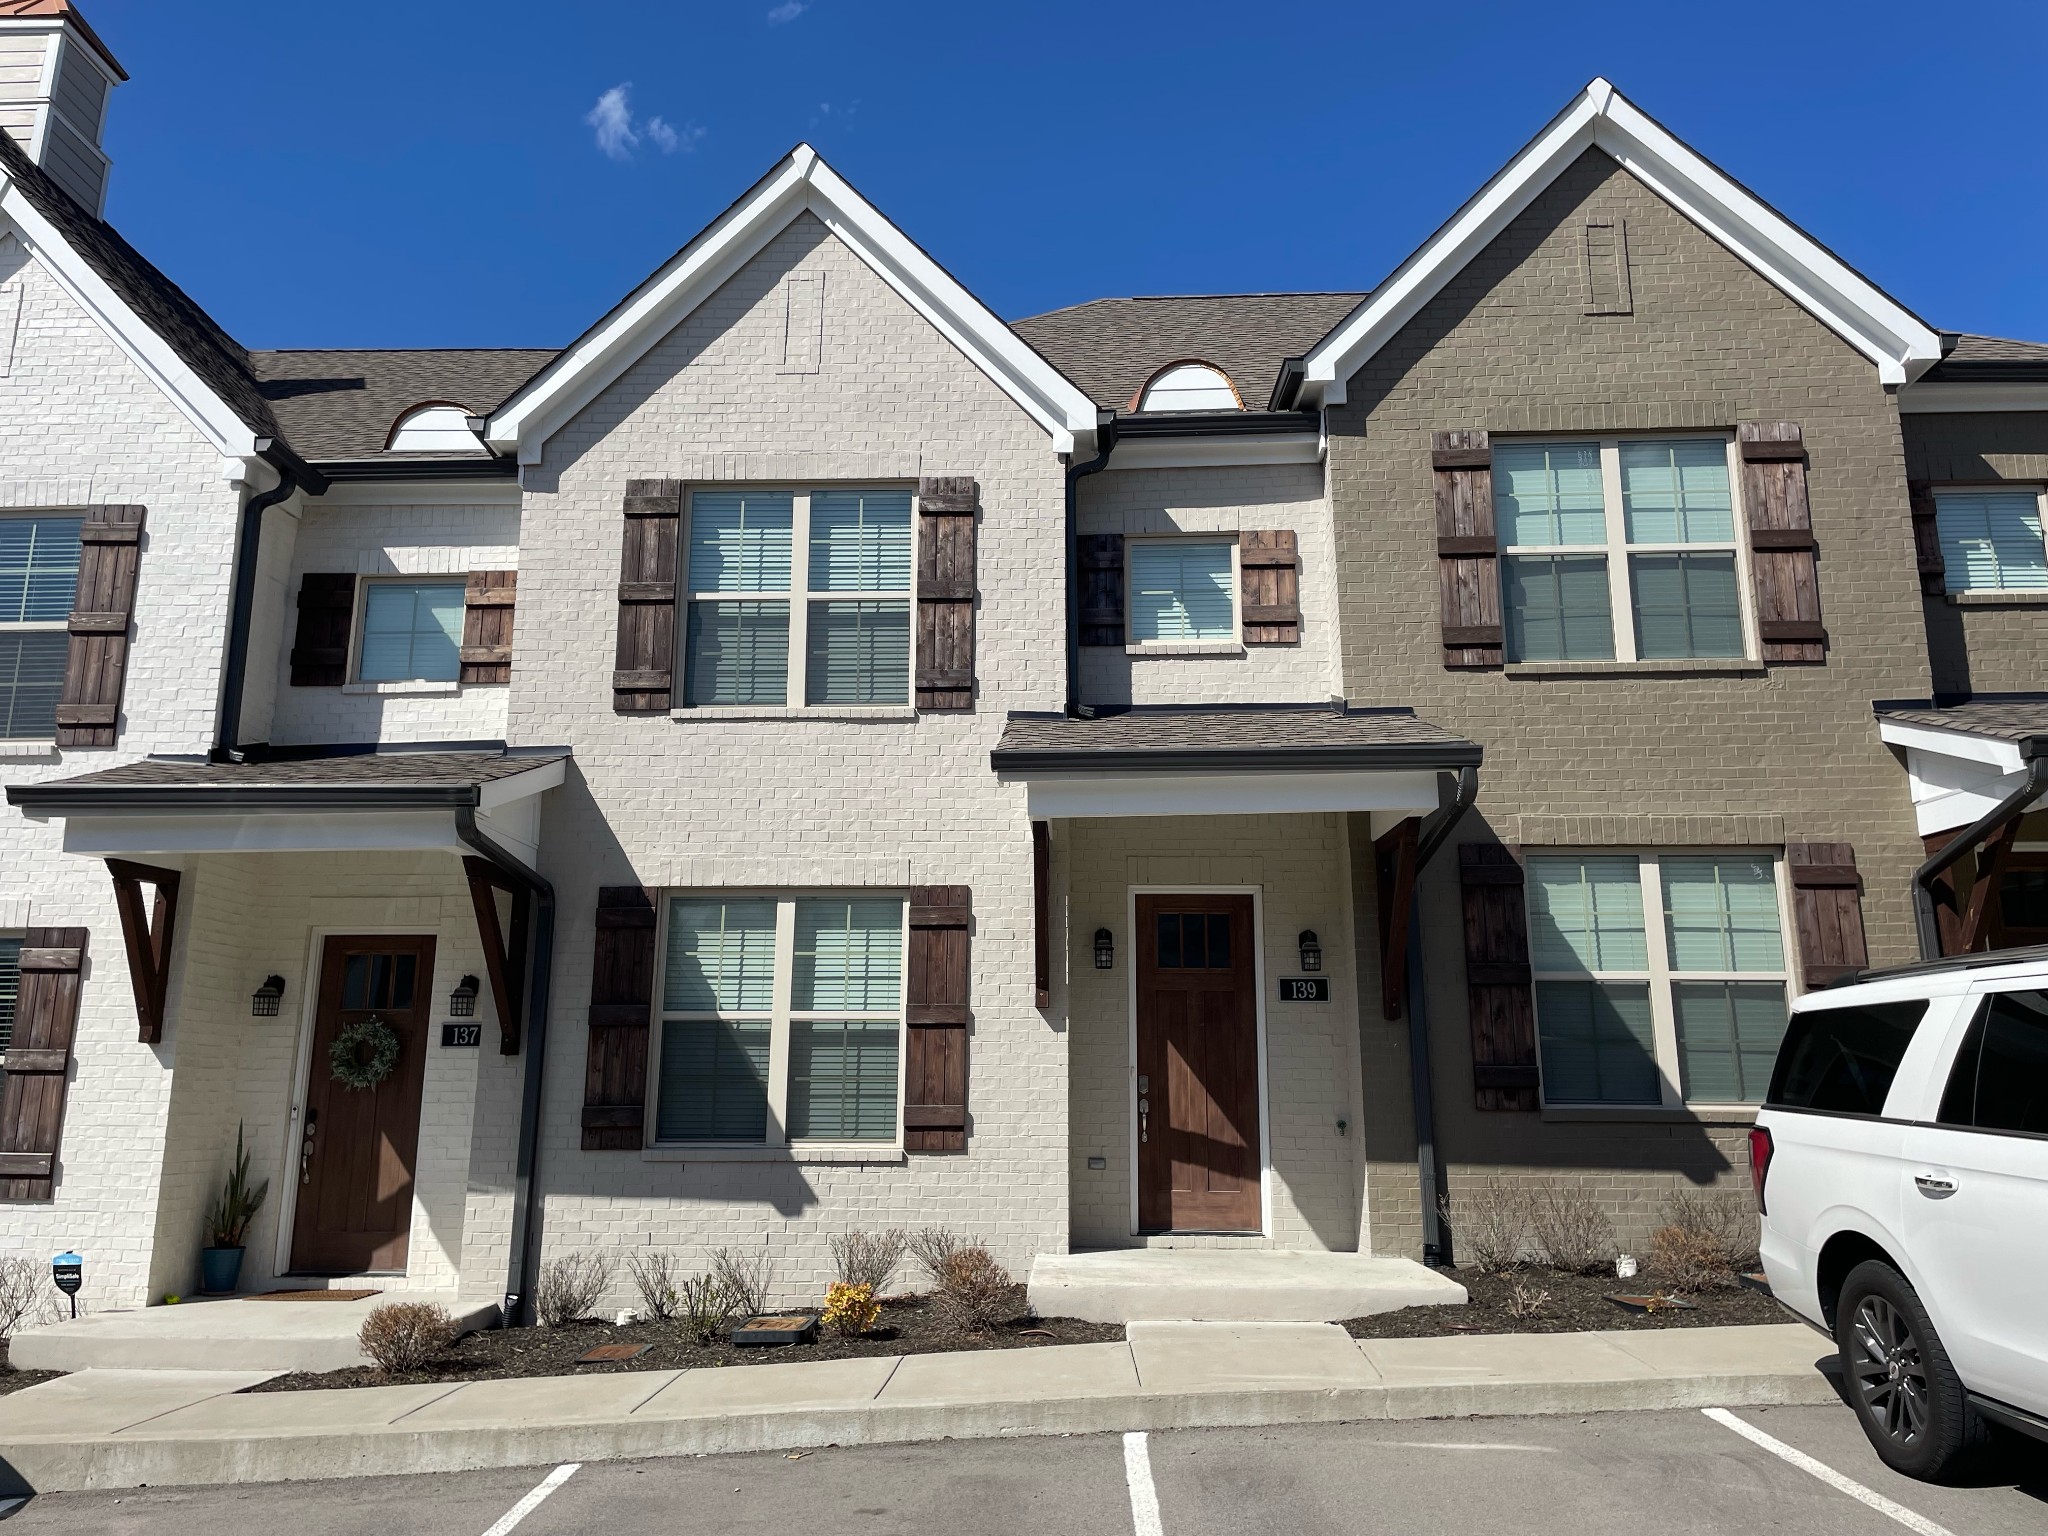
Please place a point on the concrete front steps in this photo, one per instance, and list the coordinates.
(234, 1333)
(1231, 1285)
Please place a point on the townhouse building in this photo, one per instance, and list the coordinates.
(809, 755)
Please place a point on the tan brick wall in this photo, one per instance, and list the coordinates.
(1507, 347)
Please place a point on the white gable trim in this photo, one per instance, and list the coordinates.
(193, 397)
(801, 182)
(1896, 341)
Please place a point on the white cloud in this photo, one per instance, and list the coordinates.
(789, 10)
(613, 120)
(668, 138)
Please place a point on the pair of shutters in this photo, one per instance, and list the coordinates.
(96, 661)
(644, 680)
(1269, 587)
(622, 975)
(1783, 554)
(1827, 917)
(32, 1099)
(327, 613)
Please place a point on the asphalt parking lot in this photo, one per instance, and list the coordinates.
(1620, 1472)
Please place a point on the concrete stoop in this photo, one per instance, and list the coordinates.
(230, 1334)
(1210, 1285)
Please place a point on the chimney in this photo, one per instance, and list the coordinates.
(55, 78)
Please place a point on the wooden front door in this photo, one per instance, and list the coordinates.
(357, 1145)
(1198, 1065)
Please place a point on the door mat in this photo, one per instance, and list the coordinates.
(311, 1295)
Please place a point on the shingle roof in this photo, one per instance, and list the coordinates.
(342, 404)
(366, 776)
(1989, 359)
(1220, 736)
(1111, 347)
(2014, 717)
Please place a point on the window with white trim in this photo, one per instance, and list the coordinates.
(1686, 1009)
(411, 632)
(781, 1019)
(1991, 540)
(38, 585)
(1182, 590)
(798, 595)
(1620, 549)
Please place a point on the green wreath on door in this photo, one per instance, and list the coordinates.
(364, 1053)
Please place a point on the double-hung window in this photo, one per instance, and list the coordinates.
(1991, 540)
(798, 596)
(1619, 549)
(1660, 978)
(1182, 591)
(782, 1019)
(38, 584)
(412, 632)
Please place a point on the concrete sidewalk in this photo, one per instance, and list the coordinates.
(117, 1429)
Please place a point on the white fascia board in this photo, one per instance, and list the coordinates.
(266, 832)
(1056, 796)
(1208, 452)
(1899, 344)
(193, 397)
(418, 493)
(497, 793)
(1989, 750)
(802, 182)
(1948, 396)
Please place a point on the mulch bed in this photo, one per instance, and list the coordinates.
(12, 1380)
(1575, 1304)
(908, 1327)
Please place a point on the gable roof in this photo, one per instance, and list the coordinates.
(800, 181)
(337, 404)
(1896, 341)
(1989, 360)
(1113, 347)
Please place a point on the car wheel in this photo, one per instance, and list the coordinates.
(1905, 1392)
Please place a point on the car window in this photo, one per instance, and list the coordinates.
(1842, 1060)
(2000, 1079)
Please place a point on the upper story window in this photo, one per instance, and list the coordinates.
(1619, 549)
(437, 428)
(798, 596)
(1991, 541)
(38, 585)
(412, 632)
(1182, 590)
(1625, 1005)
(1190, 387)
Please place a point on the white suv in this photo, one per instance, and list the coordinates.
(1901, 1164)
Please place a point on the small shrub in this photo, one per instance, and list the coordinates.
(933, 1248)
(405, 1335)
(1569, 1230)
(850, 1310)
(654, 1276)
(974, 1291)
(745, 1276)
(27, 1296)
(1490, 1222)
(869, 1258)
(706, 1308)
(569, 1287)
(1706, 1238)
(1525, 1300)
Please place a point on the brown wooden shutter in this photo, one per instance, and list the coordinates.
(1927, 539)
(621, 1013)
(1102, 588)
(327, 610)
(644, 680)
(1827, 909)
(487, 626)
(1269, 575)
(32, 1099)
(96, 665)
(1781, 543)
(935, 1061)
(1467, 552)
(945, 593)
(1497, 984)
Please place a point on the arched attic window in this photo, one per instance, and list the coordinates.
(439, 426)
(1189, 386)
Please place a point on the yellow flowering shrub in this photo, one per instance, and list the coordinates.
(850, 1309)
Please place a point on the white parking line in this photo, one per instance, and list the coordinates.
(1144, 1496)
(1827, 1474)
(533, 1500)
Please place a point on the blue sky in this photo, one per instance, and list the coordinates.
(430, 174)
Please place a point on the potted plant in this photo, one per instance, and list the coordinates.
(220, 1263)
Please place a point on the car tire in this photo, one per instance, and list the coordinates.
(1900, 1381)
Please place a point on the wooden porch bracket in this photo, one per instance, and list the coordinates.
(148, 937)
(504, 960)
(1992, 858)
(1394, 862)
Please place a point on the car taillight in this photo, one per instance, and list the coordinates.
(1759, 1162)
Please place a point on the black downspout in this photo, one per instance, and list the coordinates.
(1105, 441)
(524, 1262)
(1928, 926)
(292, 474)
(1421, 1081)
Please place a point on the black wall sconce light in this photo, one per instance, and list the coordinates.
(462, 1001)
(1105, 950)
(266, 999)
(1311, 950)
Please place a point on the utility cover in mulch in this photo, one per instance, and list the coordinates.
(908, 1327)
(1568, 1304)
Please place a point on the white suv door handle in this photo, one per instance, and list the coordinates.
(1936, 1185)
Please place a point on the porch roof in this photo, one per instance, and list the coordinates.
(1963, 758)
